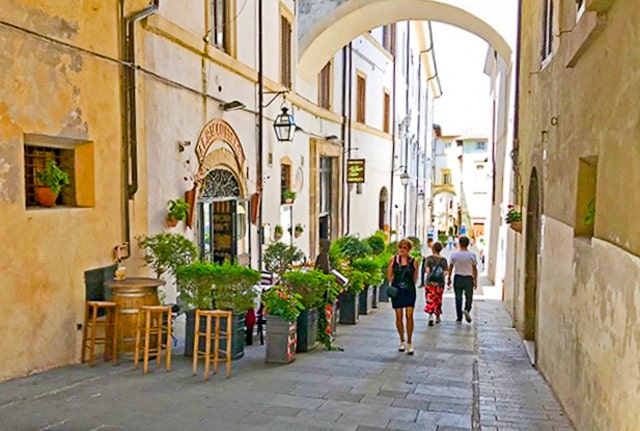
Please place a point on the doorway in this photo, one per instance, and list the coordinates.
(223, 235)
(382, 209)
(532, 236)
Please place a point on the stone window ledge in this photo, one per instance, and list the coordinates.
(587, 29)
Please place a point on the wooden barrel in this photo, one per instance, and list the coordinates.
(129, 295)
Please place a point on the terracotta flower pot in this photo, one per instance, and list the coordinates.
(288, 201)
(171, 222)
(297, 233)
(277, 236)
(45, 196)
(516, 225)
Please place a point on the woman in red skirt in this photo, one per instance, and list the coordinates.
(436, 272)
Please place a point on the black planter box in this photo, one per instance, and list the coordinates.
(349, 308)
(307, 330)
(365, 301)
(382, 293)
(374, 296)
(237, 337)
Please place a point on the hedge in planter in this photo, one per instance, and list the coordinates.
(283, 308)
(313, 287)
(369, 269)
(224, 287)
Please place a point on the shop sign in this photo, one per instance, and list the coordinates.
(355, 171)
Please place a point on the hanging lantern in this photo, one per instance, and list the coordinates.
(284, 126)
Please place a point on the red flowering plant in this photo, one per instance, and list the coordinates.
(280, 301)
(513, 215)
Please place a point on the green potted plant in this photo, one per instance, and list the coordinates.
(178, 210)
(312, 287)
(234, 290)
(378, 244)
(279, 258)
(278, 231)
(343, 253)
(514, 218)
(282, 308)
(299, 229)
(205, 285)
(51, 180)
(167, 252)
(372, 276)
(195, 284)
(383, 260)
(288, 196)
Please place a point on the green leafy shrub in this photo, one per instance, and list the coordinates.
(280, 301)
(234, 287)
(178, 209)
(279, 257)
(314, 287)
(344, 250)
(377, 244)
(195, 283)
(53, 177)
(167, 252)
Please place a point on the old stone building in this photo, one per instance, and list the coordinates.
(573, 288)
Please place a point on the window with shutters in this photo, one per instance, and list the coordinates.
(389, 38)
(325, 86)
(285, 52)
(220, 28)
(361, 91)
(547, 30)
(386, 118)
(285, 179)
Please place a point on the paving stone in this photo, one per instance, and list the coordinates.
(344, 396)
(367, 387)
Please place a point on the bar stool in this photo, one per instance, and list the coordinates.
(109, 325)
(153, 319)
(217, 335)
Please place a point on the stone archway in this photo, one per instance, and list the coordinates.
(532, 238)
(325, 26)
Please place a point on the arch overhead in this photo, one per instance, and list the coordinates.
(328, 25)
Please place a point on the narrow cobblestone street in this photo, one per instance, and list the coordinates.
(462, 377)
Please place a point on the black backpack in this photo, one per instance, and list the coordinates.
(436, 275)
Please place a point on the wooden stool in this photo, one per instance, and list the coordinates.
(217, 315)
(152, 317)
(110, 326)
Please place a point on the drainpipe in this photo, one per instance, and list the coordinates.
(516, 146)
(393, 128)
(349, 119)
(129, 120)
(418, 146)
(408, 122)
(343, 129)
(260, 130)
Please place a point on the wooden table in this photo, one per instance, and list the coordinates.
(129, 295)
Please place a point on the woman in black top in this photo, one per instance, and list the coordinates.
(403, 274)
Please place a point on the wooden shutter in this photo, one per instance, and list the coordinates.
(361, 102)
(285, 50)
(387, 113)
(324, 87)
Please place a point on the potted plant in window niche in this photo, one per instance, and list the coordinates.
(51, 180)
(288, 196)
(178, 210)
(297, 232)
(278, 231)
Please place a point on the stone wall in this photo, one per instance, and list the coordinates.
(574, 106)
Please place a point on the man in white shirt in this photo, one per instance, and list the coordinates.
(464, 264)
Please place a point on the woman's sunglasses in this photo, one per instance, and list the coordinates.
(403, 247)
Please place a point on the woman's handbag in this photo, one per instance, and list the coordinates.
(392, 291)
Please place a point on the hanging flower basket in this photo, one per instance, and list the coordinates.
(514, 218)
(516, 225)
